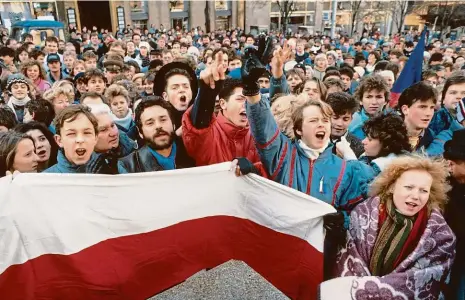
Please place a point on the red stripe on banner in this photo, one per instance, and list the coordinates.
(142, 265)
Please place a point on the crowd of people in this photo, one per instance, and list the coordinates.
(313, 113)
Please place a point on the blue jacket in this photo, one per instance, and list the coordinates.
(328, 178)
(63, 165)
(278, 86)
(356, 126)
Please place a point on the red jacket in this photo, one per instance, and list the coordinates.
(222, 141)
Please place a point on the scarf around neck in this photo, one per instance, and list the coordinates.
(396, 238)
(312, 153)
(124, 122)
(19, 102)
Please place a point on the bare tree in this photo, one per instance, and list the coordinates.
(286, 7)
(400, 9)
(207, 16)
(355, 7)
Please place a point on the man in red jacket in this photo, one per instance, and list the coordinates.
(210, 138)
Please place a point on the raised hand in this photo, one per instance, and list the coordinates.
(215, 72)
(280, 56)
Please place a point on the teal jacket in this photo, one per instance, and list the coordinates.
(340, 183)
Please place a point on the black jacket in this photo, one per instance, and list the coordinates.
(142, 160)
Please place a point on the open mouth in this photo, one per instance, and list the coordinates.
(41, 152)
(81, 152)
(425, 120)
(320, 135)
(183, 99)
(243, 114)
(411, 204)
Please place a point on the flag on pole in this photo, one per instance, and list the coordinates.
(411, 73)
(81, 236)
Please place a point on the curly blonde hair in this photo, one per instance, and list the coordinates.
(282, 109)
(51, 94)
(31, 63)
(437, 168)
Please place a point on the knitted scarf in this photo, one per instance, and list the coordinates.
(19, 102)
(124, 122)
(397, 238)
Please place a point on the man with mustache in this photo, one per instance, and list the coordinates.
(161, 151)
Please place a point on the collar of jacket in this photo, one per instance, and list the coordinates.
(64, 163)
(324, 155)
(231, 130)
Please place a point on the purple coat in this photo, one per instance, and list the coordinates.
(421, 275)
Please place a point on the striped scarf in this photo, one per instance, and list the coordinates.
(391, 239)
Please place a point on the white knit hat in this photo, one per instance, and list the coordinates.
(145, 44)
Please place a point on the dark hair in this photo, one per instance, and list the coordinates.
(331, 73)
(5, 51)
(420, 91)
(176, 71)
(435, 57)
(428, 73)
(394, 67)
(7, 117)
(358, 58)
(149, 102)
(342, 103)
(228, 88)
(381, 66)
(51, 39)
(347, 71)
(42, 110)
(396, 52)
(8, 145)
(458, 78)
(134, 64)
(25, 127)
(35, 53)
(94, 73)
(70, 113)
(391, 132)
(409, 44)
(330, 82)
(376, 54)
(370, 83)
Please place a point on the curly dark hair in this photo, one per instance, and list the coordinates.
(342, 103)
(391, 132)
(370, 83)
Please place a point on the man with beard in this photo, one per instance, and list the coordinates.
(155, 126)
(211, 139)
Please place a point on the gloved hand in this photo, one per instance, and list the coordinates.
(334, 225)
(343, 147)
(243, 166)
(253, 66)
(104, 163)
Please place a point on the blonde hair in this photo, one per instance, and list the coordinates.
(52, 93)
(68, 86)
(116, 90)
(138, 76)
(282, 109)
(30, 63)
(298, 113)
(383, 184)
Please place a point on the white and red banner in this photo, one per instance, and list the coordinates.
(77, 236)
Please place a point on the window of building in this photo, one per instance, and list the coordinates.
(221, 5)
(71, 16)
(311, 19)
(120, 15)
(45, 10)
(138, 6)
(296, 20)
(274, 7)
(142, 24)
(177, 23)
(223, 22)
(177, 5)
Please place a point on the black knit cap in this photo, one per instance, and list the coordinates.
(454, 149)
